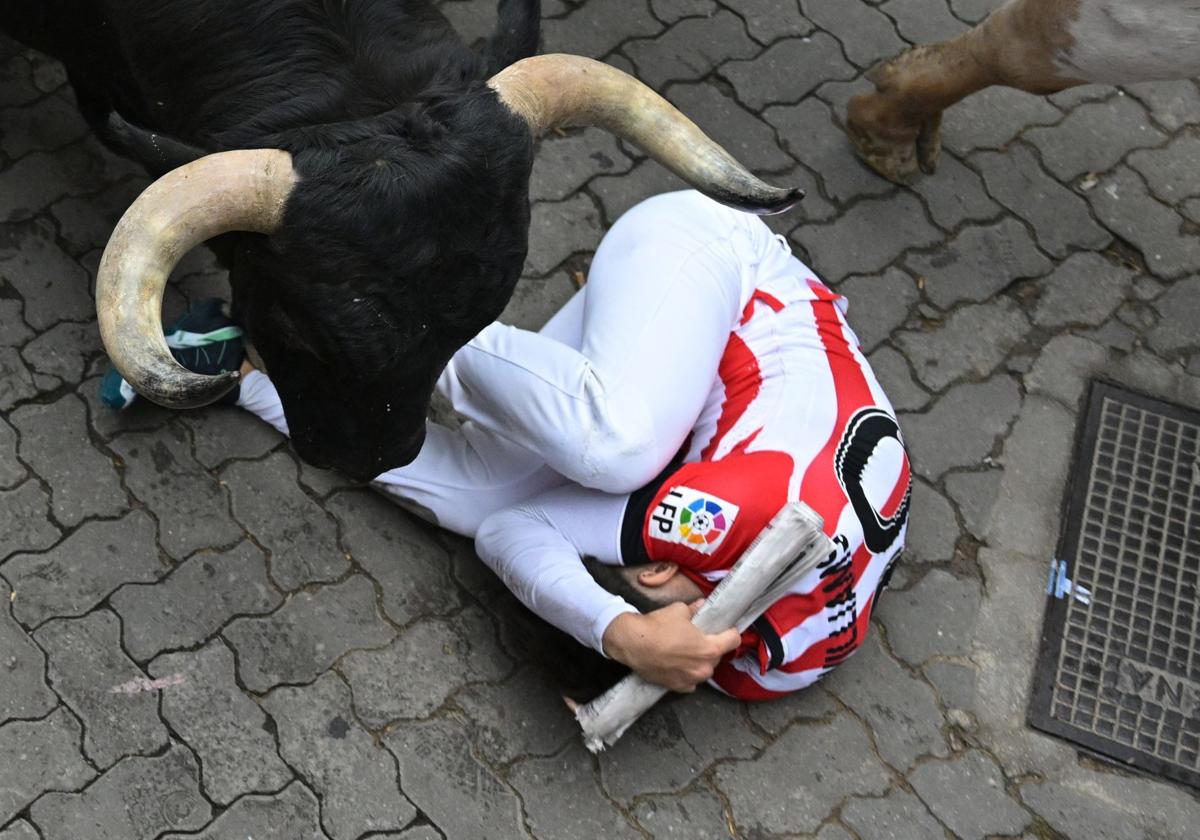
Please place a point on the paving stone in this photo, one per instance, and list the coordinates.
(24, 520)
(78, 573)
(11, 470)
(932, 528)
(563, 800)
(878, 305)
(168, 615)
(307, 634)
(619, 193)
(972, 342)
(1086, 289)
(774, 793)
(54, 286)
(900, 710)
(1094, 137)
(1004, 648)
(442, 777)
(322, 482)
(85, 223)
(51, 124)
(808, 131)
(961, 428)
(955, 195)
(932, 618)
(23, 665)
(1035, 460)
(1169, 245)
(812, 704)
(300, 537)
(866, 35)
(55, 444)
(192, 509)
(425, 664)
(814, 208)
(742, 133)
(535, 300)
(1109, 806)
(221, 433)
(559, 229)
(898, 816)
(967, 794)
(669, 11)
(293, 813)
(768, 20)
(398, 552)
(138, 799)
(992, 118)
(1172, 104)
(923, 21)
(893, 374)
(564, 164)
(104, 422)
(19, 830)
(868, 236)
(955, 683)
(88, 669)
(788, 70)
(1171, 171)
(1059, 217)
(521, 716)
(13, 330)
(224, 726)
(471, 20)
(674, 742)
(35, 181)
(63, 351)
(40, 755)
(420, 832)
(1191, 209)
(16, 382)
(975, 494)
(690, 49)
(1113, 334)
(353, 776)
(696, 815)
(1179, 309)
(973, 11)
(979, 262)
(590, 30)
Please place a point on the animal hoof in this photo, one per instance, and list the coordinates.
(889, 151)
(929, 144)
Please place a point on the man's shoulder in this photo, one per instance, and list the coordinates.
(704, 514)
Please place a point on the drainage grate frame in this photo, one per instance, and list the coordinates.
(1118, 670)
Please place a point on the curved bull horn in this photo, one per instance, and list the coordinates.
(222, 192)
(550, 91)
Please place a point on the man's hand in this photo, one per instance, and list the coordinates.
(664, 646)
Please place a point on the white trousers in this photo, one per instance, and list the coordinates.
(607, 392)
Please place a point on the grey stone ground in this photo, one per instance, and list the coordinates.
(334, 669)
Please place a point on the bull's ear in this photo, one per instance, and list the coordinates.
(159, 153)
(517, 35)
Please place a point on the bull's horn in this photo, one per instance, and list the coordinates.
(240, 190)
(550, 91)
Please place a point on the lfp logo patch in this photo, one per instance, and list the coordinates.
(692, 518)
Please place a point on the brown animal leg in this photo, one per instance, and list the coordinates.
(898, 126)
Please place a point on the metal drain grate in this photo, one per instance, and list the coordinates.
(1119, 667)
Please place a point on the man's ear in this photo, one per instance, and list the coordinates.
(657, 574)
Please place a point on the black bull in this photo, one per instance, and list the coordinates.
(407, 226)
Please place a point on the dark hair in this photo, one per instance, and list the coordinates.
(613, 580)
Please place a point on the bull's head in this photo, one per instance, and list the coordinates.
(355, 354)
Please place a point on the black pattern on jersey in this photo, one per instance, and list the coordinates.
(865, 431)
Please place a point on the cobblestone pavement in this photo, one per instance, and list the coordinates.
(327, 667)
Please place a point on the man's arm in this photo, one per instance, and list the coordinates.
(536, 548)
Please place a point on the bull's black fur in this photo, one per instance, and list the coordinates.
(407, 231)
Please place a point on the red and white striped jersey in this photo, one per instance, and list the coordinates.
(796, 414)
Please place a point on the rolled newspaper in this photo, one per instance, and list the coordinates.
(791, 545)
